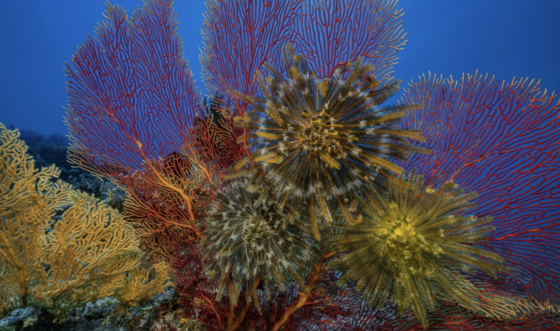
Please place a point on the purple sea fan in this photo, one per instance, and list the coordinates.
(502, 141)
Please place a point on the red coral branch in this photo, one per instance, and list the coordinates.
(130, 92)
(333, 33)
(239, 37)
(216, 135)
(500, 140)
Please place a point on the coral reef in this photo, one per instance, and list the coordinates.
(416, 244)
(322, 139)
(257, 241)
(319, 142)
(90, 253)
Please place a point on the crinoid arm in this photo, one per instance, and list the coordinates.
(323, 138)
(418, 246)
(254, 239)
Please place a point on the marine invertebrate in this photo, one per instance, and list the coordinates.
(256, 241)
(216, 135)
(499, 139)
(417, 244)
(323, 139)
(88, 254)
(226, 23)
(115, 111)
(332, 33)
(319, 30)
(125, 129)
(124, 124)
(177, 165)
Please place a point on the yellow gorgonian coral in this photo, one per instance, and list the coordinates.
(417, 244)
(322, 138)
(88, 254)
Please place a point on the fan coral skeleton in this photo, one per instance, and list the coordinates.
(417, 245)
(323, 139)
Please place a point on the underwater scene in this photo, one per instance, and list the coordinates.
(301, 185)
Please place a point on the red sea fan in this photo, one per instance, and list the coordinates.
(128, 111)
(130, 92)
(239, 37)
(216, 134)
(131, 102)
(500, 140)
(332, 33)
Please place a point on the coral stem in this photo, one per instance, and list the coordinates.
(234, 324)
(303, 296)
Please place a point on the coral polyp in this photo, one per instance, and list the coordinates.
(256, 240)
(322, 138)
(416, 248)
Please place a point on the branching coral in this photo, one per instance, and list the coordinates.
(90, 253)
(256, 240)
(216, 135)
(500, 139)
(322, 139)
(166, 198)
(418, 244)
